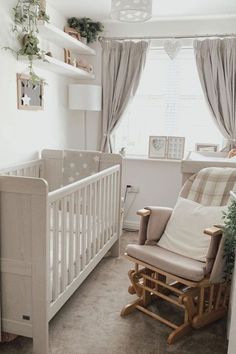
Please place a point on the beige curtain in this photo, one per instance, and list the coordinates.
(122, 65)
(216, 64)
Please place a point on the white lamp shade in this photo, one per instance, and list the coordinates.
(131, 10)
(85, 97)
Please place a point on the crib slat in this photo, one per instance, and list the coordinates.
(64, 244)
(94, 228)
(111, 204)
(108, 207)
(99, 214)
(77, 232)
(114, 203)
(103, 214)
(84, 229)
(117, 209)
(55, 234)
(89, 220)
(71, 237)
(107, 210)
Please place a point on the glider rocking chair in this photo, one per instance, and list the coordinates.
(187, 271)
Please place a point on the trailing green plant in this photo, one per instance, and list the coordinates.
(86, 27)
(230, 238)
(26, 14)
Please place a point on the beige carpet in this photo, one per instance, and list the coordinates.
(90, 323)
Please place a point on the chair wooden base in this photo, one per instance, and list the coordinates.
(202, 302)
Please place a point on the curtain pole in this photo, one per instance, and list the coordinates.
(224, 35)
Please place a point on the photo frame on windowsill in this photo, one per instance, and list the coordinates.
(166, 147)
(176, 145)
(157, 147)
(206, 147)
(29, 94)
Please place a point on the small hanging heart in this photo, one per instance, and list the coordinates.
(172, 48)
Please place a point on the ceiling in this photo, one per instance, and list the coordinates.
(162, 9)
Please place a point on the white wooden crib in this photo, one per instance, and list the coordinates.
(53, 234)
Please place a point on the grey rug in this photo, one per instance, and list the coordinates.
(90, 322)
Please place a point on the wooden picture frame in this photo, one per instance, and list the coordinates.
(175, 149)
(29, 94)
(206, 147)
(157, 147)
(73, 33)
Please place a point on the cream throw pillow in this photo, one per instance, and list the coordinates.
(184, 232)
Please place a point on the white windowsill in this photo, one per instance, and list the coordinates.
(145, 158)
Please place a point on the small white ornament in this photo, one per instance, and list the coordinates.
(26, 100)
(172, 48)
(85, 165)
(72, 165)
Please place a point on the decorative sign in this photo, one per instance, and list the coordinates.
(72, 32)
(30, 94)
(166, 147)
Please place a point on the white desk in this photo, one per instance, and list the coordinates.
(195, 161)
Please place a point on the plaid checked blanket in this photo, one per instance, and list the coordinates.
(212, 186)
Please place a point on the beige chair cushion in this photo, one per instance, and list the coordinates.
(168, 261)
(184, 231)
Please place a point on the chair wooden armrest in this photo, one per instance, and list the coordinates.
(213, 231)
(143, 212)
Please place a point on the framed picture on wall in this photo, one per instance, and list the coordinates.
(207, 147)
(157, 147)
(29, 94)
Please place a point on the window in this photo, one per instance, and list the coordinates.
(169, 101)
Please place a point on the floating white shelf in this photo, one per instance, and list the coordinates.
(62, 39)
(60, 67)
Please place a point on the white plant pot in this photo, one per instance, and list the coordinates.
(84, 40)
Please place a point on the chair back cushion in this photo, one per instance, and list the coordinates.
(184, 232)
(212, 186)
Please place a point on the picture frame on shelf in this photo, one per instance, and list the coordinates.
(29, 93)
(157, 147)
(206, 147)
(175, 149)
(73, 33)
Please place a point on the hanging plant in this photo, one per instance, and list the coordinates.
(87, 28)
(26, 16)
(230, 238)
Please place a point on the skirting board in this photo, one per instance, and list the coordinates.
(131, 225)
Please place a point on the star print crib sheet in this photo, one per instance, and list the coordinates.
(79, 164)
(60, 215)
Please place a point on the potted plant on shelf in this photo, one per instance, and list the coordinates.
(87, 28)
(26, 15)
